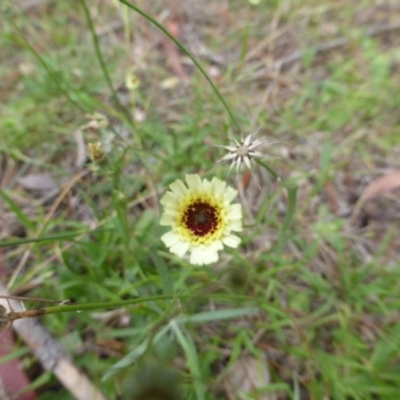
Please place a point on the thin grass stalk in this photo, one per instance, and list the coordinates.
(188, 53)
(102, 63)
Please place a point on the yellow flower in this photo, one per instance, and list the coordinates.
(201, 217)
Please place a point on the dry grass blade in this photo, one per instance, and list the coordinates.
(76, 178)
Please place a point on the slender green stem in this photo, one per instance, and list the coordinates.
(55, 79)
(52, 238)
(268, 168)
(88, 306)
(188, 53)
(292, 197)
(102, 63)
(121, 303)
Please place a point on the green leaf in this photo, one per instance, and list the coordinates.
(192, 358)
(134, 355)
(292, 194)
(17, 210)
(162, 269)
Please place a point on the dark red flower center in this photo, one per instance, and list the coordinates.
(201, 218)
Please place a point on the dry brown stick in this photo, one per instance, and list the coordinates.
(52, 355)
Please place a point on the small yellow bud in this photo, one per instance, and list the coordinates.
(132, 82)
(96, 152)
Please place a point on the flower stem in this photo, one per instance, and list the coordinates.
(21, 40)
(102, 63)
(268, 168)
(12, 316)
(85, 307)
(188, 53)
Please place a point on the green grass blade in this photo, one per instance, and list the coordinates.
(17, 210)
(53, 76)
(164, 273)
(102, 63)
(218, 315)
(292, 196)
(192, 359)
(45, 239)
(268, 168)
(325, 167)
(134, 355)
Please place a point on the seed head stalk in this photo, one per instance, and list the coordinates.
(188, 53)
(86, 307)
(12, 316)
(102, 63)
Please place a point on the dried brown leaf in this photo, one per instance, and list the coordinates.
(381, 185)
(246, 375)
(40, 182)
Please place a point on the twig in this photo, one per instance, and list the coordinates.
(52, 355)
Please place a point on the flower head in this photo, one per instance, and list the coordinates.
(244, 151)
(201, 218)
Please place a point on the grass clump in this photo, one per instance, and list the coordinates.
(311, 292)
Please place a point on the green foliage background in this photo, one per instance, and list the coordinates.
(311, 290)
